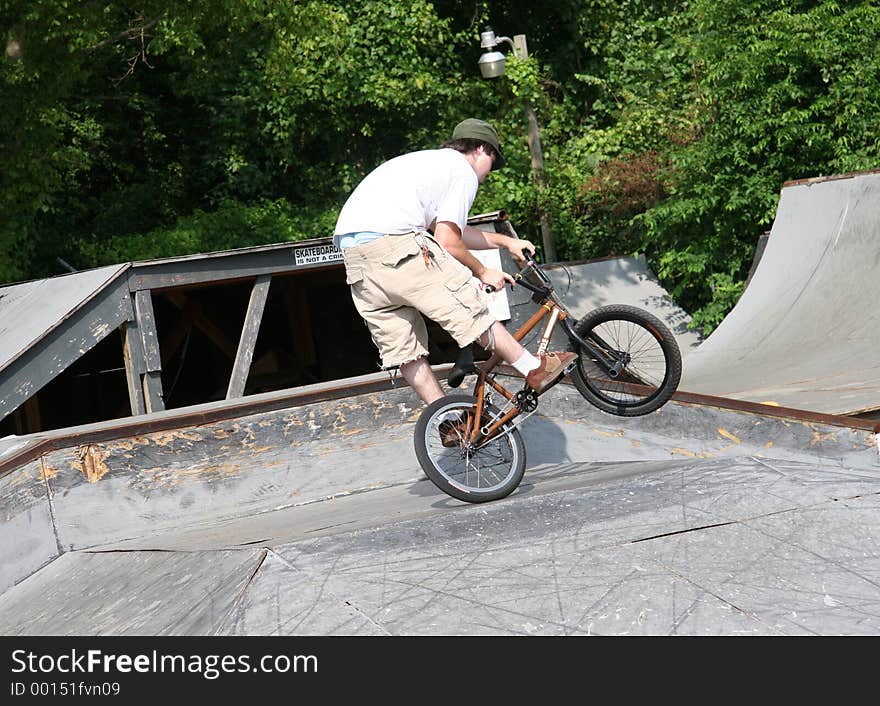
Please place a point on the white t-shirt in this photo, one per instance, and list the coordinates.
(409, 193)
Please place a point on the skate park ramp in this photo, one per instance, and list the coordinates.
(315, 519)
(30, 310)
(806, 332)
(48, 324)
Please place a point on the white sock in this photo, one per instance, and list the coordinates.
(526, 363)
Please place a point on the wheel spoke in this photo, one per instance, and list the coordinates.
(652, 361)
(495, 467)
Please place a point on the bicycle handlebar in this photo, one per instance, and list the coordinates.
(533, 266)
(530, 265)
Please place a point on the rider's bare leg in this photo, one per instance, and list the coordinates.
(421, 378)
(505, 344)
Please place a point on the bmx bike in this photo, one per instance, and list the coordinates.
(628, 364)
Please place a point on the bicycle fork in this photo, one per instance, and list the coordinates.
(611, 361)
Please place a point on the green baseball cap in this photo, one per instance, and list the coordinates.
(474, 129)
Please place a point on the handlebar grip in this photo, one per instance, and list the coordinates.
(488, 288)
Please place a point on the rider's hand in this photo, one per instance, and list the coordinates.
(518, 249)
(495, 278)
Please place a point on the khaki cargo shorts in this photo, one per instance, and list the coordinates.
(392, 287)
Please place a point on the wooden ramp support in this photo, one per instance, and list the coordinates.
(248, 340)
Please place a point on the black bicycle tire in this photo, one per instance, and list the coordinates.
(658, 331)
(439, 478)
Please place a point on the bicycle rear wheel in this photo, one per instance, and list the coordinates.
(475, 475)
(647, 351)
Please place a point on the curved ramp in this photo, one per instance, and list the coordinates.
(805, 332)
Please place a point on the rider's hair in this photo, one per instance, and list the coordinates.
(466, 145)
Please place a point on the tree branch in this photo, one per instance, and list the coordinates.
(129, 33)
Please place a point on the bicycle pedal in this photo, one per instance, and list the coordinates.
(526, 399)
(457, 375)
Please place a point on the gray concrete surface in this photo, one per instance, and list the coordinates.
(318, 521)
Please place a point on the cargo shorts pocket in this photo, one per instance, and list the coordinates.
(465, 292)
(353, 275)
(406, 248)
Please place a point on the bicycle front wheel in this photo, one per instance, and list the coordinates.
(491, 471)
(647, 355)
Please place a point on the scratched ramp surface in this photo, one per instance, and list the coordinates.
(139, 486)
(132, 487)
(806, 331)
(570, 430)
(707, 547)
(27, 539)
(130, 593)
(597, 489)
(730, 546)
(136, 486)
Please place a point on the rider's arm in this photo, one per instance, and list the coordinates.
(450, 237)
(477, 239)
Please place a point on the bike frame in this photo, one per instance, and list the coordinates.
(552, 308)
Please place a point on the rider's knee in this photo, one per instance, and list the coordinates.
(487, 340)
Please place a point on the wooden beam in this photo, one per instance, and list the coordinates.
(152, 376)
(248, 340)
(133, 355)
(172, 341)
(32, 414)
(194, 309)
(27, 417)
(237, 265)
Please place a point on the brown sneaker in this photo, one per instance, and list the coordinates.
(552, 366)
(452, 432)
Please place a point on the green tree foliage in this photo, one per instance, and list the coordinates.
(745, 96)
(786, 92)
(150, 129)
(134, 130)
